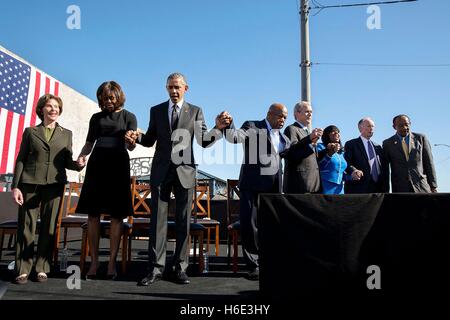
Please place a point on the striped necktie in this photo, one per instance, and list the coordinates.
(372, 161)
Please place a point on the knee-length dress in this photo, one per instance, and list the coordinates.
(106, 187)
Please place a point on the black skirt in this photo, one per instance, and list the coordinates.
(106, 187)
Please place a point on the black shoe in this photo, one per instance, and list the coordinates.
(253, 274)
(181, 277)
(149, 279)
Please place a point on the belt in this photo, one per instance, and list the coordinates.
(109, 142)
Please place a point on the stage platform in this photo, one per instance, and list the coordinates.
(219, 284)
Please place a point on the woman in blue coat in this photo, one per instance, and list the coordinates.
(332, 163)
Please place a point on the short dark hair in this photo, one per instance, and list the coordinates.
(176, 75)
(113, 87)
(43, 101)
(399, 116)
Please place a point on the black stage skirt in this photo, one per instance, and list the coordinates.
(106, 187)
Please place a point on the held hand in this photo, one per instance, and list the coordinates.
(316, 134)
(223, 120)
(17, 196)
(81, 161)
(130, 137)
(80, 166)
(332, 148)
(357, 175)
(337, 147)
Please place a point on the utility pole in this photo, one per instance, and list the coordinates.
(305, 64)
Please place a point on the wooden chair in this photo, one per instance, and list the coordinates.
(8, 227)
(67, 217)
(202, 212)
(140, 220)
(233, 222)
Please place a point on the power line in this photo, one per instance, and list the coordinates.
(383, 65)
(321, 7)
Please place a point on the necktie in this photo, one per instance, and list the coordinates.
(306, 130)
(405, 148)
(174, 121)
(373, 162)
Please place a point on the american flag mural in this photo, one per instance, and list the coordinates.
(21, 85)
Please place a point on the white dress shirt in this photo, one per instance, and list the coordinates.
(275, 138)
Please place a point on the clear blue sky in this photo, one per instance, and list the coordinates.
(242, 55)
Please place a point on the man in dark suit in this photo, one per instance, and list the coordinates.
(264, 145)
(173, 125)
(302, 171)
(410, 158)
(365, 162)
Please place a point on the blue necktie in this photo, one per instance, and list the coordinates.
(373, 161)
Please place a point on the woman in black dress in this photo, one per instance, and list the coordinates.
(106, 188)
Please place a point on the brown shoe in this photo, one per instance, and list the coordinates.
(22, 279)
(41, 277)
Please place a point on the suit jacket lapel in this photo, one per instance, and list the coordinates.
(39, 132)
(269, 139)
(378, 153)
(285, 140)
(57, 134)
(185, 115)
(413, 144)
(362, 148)
(301, 131)
(398, 146)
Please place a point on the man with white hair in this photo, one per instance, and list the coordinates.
(366, 162)
(302, 171)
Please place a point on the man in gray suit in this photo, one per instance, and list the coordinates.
(410, 158)
(173, 125)
(301, 174)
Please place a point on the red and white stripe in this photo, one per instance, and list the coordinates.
(12, 124)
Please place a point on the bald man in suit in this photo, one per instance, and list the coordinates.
(264, 146)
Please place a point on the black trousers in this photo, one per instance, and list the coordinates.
(248, 210)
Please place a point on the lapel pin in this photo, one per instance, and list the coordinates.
(395, 142)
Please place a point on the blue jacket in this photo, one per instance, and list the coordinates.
(332, 168)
